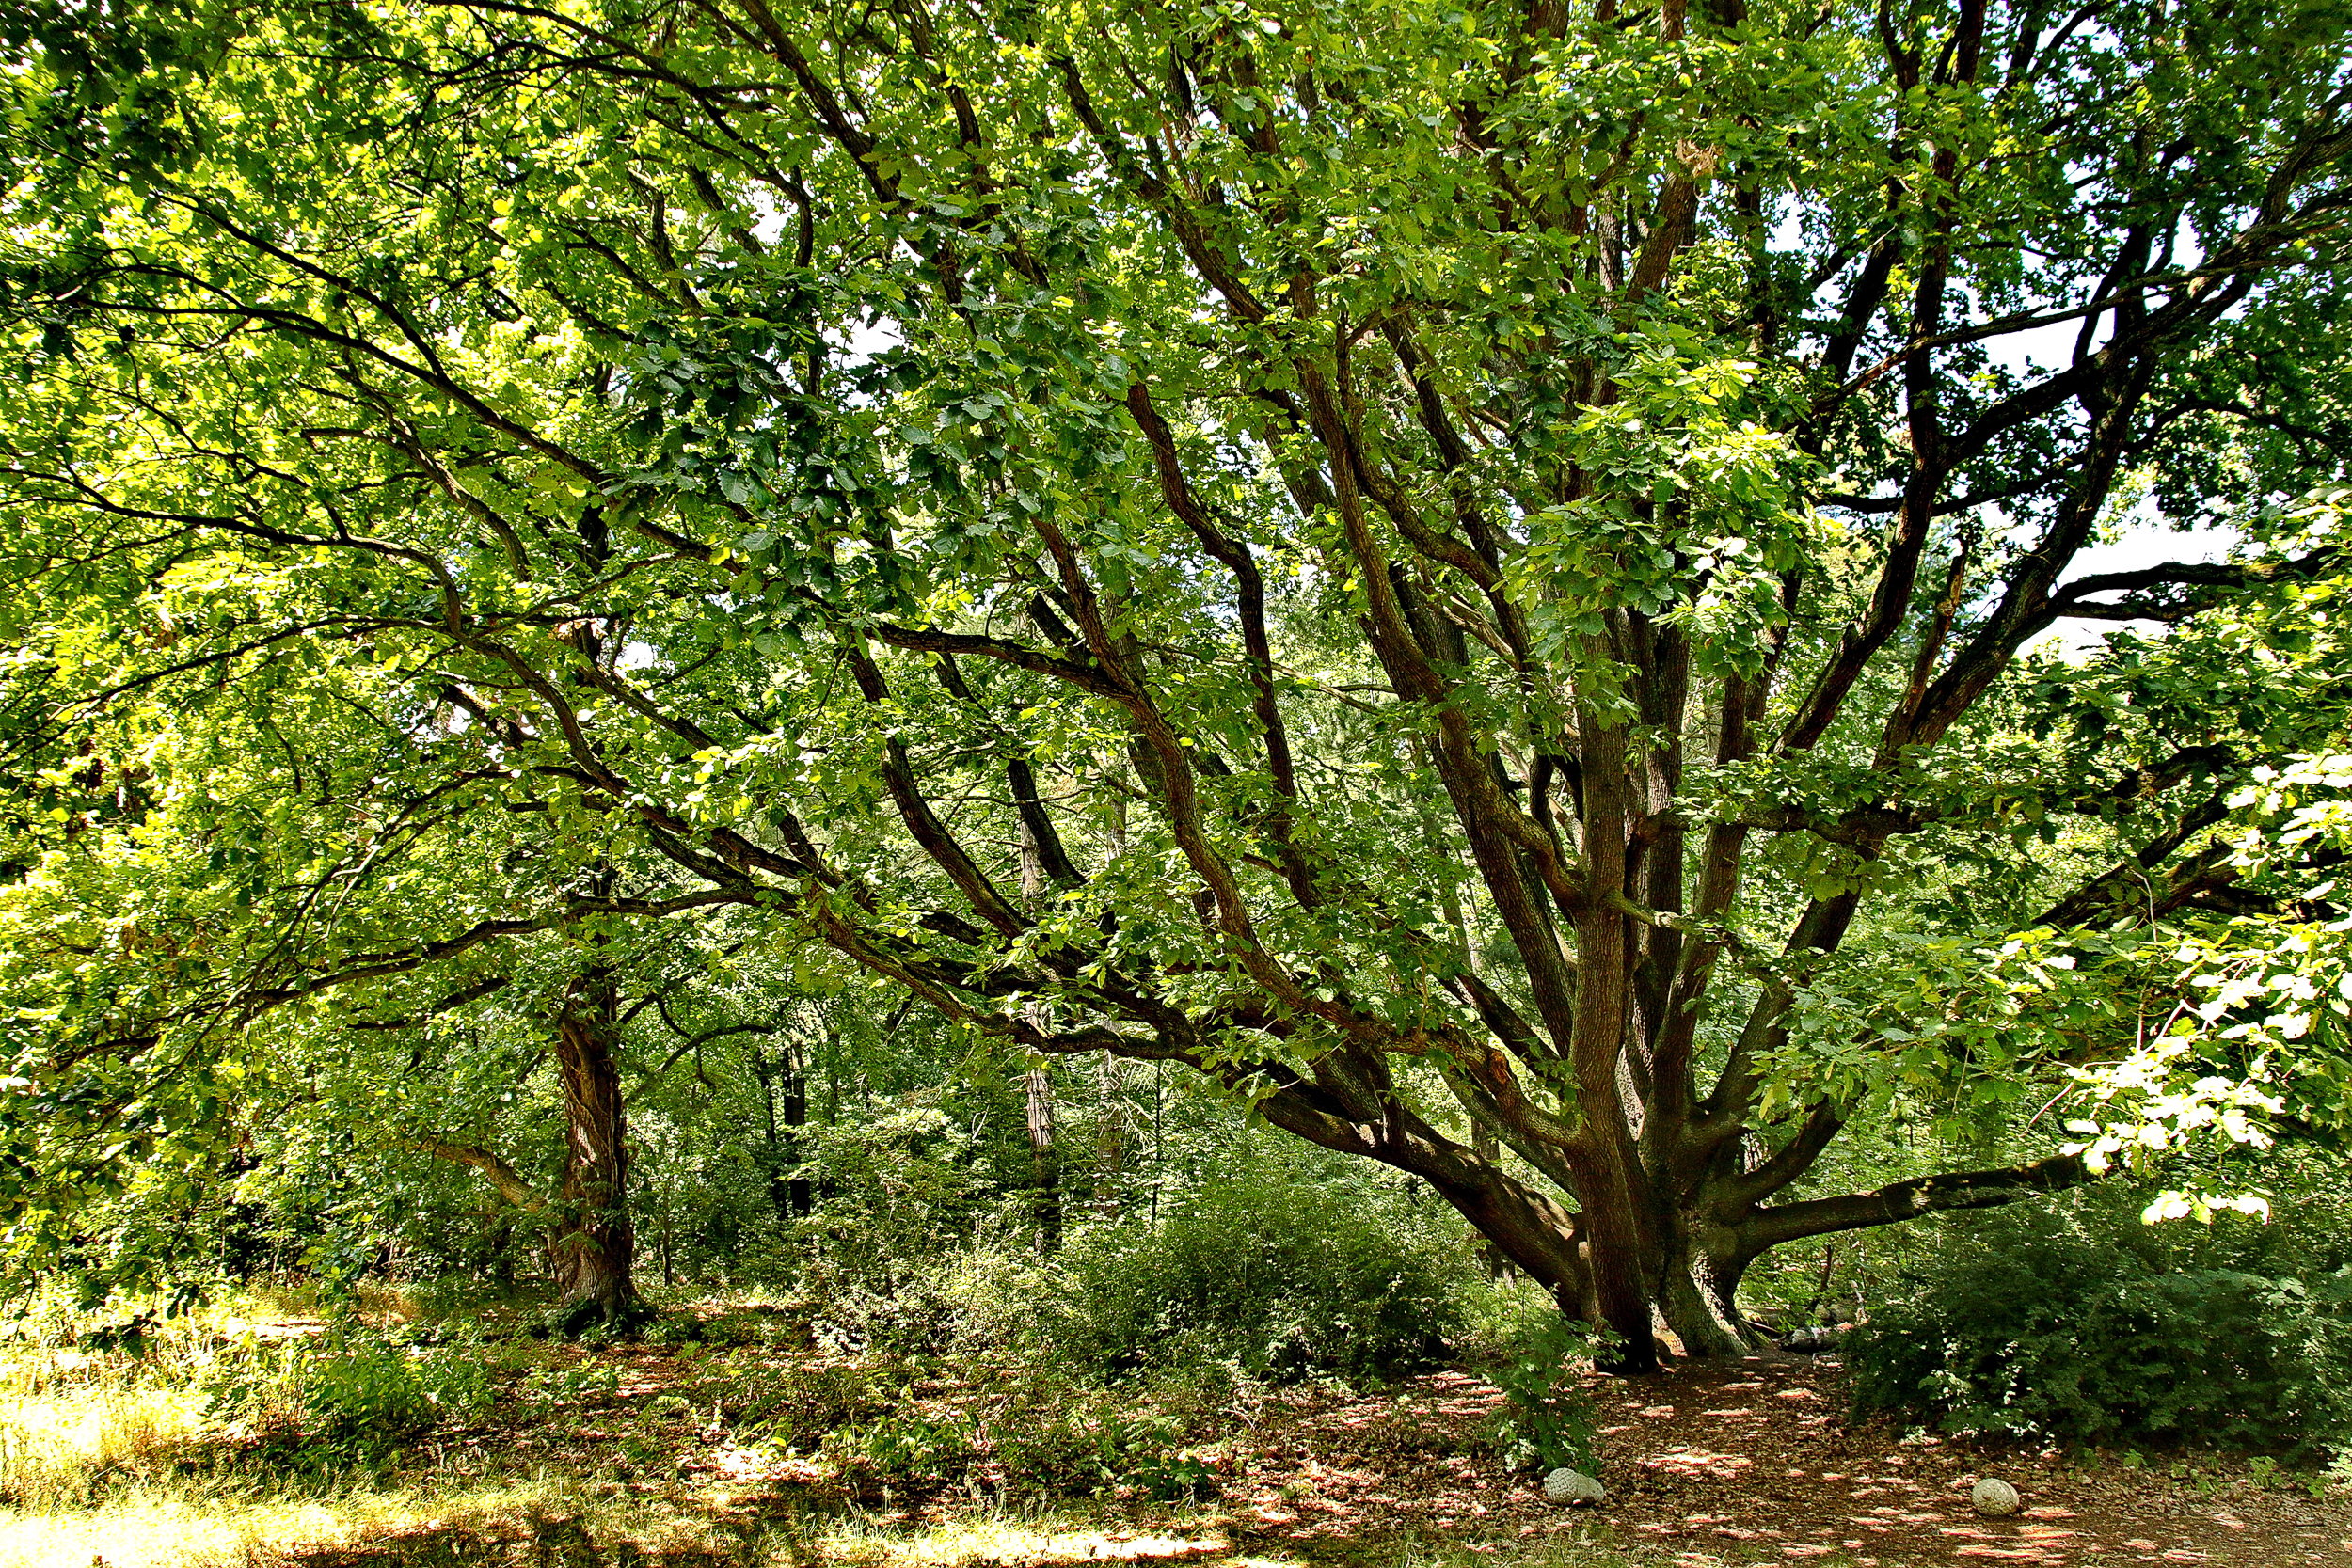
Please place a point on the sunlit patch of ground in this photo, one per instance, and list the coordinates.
(999, 1543)
(639, 1457)
(191, 1526)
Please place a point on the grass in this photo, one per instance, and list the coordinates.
(199, 1524)
(58, 1450)
(117, 1454)
(579, 1524)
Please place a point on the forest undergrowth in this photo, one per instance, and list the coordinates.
(273, 1428)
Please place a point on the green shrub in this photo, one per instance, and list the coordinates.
(1039, 1430)
(1546, 1420)
(1050, 1434)
(2072, 1320)
(348, 1394)
(905, 1445)
(1281, 1279)
(797, 1407)
(919, 1311)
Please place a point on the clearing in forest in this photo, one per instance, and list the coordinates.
(657, 1454)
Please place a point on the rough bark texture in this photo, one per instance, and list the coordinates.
(593, 1246)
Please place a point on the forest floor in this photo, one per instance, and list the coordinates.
(1746, 1464)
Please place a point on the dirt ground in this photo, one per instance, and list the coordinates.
(1747, 1464)
(1756, 1462)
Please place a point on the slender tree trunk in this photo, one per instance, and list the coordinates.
(1110, 1137)
(1045, 1160)
(595, 1244)
(783, 1105)
(1496, 1261)
(799, 1193)
(1037, 1089)
(772, 1160)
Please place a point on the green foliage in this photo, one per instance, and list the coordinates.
(1022, 1424)
(795, 1408)
(982, 1296)
(1046, 1430)
(1038, 1430)
(1281, 1278)
(1546, 1420)
(558, 1387)
(910, 1249)
(348, 1393)
(905, 1445)
(2077, 1321)
(1337, 548)
(1273, 1262)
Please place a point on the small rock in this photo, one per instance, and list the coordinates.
(1995, 1499)
(1572, 1486)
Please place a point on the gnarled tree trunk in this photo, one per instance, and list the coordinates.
(593, 1246)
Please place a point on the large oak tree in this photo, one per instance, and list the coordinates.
(1435, 563)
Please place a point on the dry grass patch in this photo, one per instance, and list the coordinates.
(194, 1524)
(59, 1446)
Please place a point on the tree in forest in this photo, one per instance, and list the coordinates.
(1472, 574)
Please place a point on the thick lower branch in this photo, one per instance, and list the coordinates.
(1908, 1200)
(503, 1178)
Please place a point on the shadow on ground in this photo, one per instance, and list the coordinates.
(787, 1539)
(563, 1542)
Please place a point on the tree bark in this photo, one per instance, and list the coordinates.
(784, 1103)
(1482, 1144)
(1110, 1137)
(799, 1192)
(594, 1245)
(1697, 1289)
(1045, 1160)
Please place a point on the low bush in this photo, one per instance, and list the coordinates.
(795, 1407)
(347, 1393)
(931, 1307)
(1276, 1279)
(1039, 1430)
(1263, 1267)
(1546, 1420)
(2072, 1320)
(1046, 1430)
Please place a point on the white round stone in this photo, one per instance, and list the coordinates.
(1572, 1486)
(1995, 1499)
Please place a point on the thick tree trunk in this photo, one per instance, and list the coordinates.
(594, 1245)
(1697, 1292)
(1686, 1264)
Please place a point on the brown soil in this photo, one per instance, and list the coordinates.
(1705, 1464)
(1756, 1462)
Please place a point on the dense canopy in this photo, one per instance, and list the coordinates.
(1502, 584)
